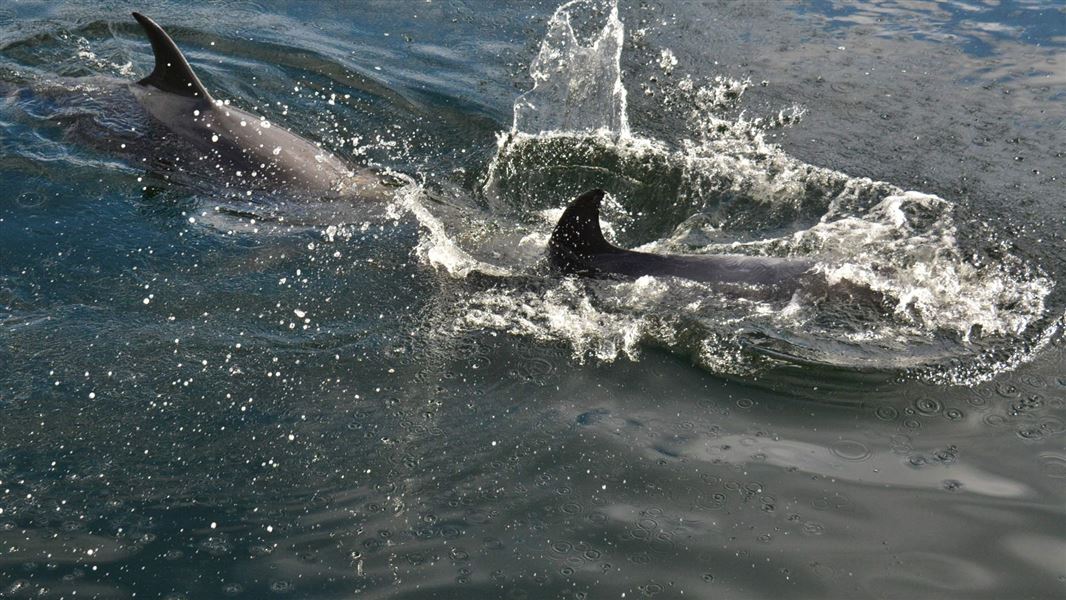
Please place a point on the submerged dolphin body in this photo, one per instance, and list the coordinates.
(228, 144)
(577, 246)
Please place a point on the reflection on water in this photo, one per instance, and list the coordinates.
(239, 407)
(977, 28)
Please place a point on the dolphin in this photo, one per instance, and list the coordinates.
(577, 246)
(225, 143)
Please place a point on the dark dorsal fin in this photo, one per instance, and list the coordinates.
(578, 231)
(172, 72)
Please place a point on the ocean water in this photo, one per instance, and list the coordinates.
(399, 400)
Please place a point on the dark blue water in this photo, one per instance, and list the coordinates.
(327, 400)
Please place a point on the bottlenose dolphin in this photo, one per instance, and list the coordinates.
(577, 246)
(225, 143)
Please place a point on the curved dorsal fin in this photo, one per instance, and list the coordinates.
(172, 72)
(578, 230)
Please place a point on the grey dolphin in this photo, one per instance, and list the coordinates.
(577, 246)
(233, 145)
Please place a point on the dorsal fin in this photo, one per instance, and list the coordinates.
(172, 72)
(578, 231)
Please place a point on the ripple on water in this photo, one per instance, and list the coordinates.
(1034, 381)
(1008, 390)
(977, 401)
(928, 406)
(30, 200)
(995, 420)
(852, 450)
(1053, 465)
(1053, 425)
(280, 586)
(813, 528)
(886, 412)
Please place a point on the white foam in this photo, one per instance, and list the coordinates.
(436, 246)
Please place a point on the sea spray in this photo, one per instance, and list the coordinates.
(577, 83)
(720, 187)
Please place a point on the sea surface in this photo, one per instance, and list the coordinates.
(210, 397)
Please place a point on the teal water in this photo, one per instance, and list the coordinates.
(324, 401)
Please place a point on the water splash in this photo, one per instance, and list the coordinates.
(925, 305)
(85, 52)
(577, 83)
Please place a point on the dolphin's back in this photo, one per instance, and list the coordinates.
(240, 148)
(719, 268)
(232, 146)
(577, 246)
